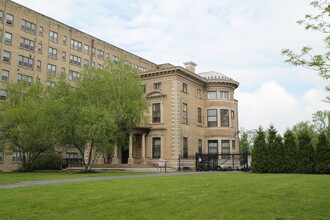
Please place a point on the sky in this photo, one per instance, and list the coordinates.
(242, 39)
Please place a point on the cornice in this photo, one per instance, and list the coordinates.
(184, 72)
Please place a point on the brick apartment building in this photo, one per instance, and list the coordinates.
(189, 112)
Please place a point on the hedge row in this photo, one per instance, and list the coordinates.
(294, 153)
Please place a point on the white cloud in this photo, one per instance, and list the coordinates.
(272, 104)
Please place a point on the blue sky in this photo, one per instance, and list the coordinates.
(239, 38)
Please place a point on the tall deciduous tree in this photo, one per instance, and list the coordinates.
(27, 127)
(244, 145)
(317, 62)
(102, 110)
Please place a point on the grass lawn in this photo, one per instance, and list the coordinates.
(15, 177)
(214, 196)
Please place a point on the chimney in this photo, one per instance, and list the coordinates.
(190, 66)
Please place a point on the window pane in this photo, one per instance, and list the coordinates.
(224, 117)
(213, 146)
(211, 95)
(156, 148)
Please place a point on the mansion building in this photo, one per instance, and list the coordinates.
(189, 112)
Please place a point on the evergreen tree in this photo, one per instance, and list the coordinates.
(279, 154)
(259, 159)
(322, 155)
(271, 150)
(305, 152)
(290, 152)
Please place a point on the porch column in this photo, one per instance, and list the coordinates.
(143, 159)
(130, 157)
(115, 156)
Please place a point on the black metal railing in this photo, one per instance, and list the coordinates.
(72, 162)
(222, 162)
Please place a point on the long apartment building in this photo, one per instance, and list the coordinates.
(189, 112)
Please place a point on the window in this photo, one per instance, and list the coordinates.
(157, 86)
(64, 40)
(86, 63)
(1, 156)
(62, 70)
(224, 117)
(184, 88)
(233, 144)
(1, 16)
(223, 95)
(40, 48)
(52, 53)
(38, 65)
(199, 115)
(184, 113)
(100, 54)
(74, 75)
(156, 147)
(63, 56)
(212, 118)
(50, 84)
(144, 88)
(115, 59)
(93, 51)
(107, 56)
(142, 69)
(156, 113)
(4, 75)
(51, 69)
(72, 155)
(76, 45)
(10, 19)
(25, 62)
(93, 64)
(28, 27)
(99, 66)
(26, 44)
(15, 157)
(21, 77)
(86, 49)
(53, 36)
(199, 93)
(6, 56)
(8, 38)
(41, 31)
(185, 147)
(200, 146)
(232, 112)
(213, 146)
(211, 95)
(75, 60)
(3, 94)
(225, 149)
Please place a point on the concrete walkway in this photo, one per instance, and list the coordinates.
(44, 182)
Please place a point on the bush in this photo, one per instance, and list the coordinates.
(48, 162)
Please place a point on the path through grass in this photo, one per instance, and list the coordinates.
(15, 177)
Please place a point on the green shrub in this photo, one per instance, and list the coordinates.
(48, 162)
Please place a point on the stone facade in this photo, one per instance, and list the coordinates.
(181, 123)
